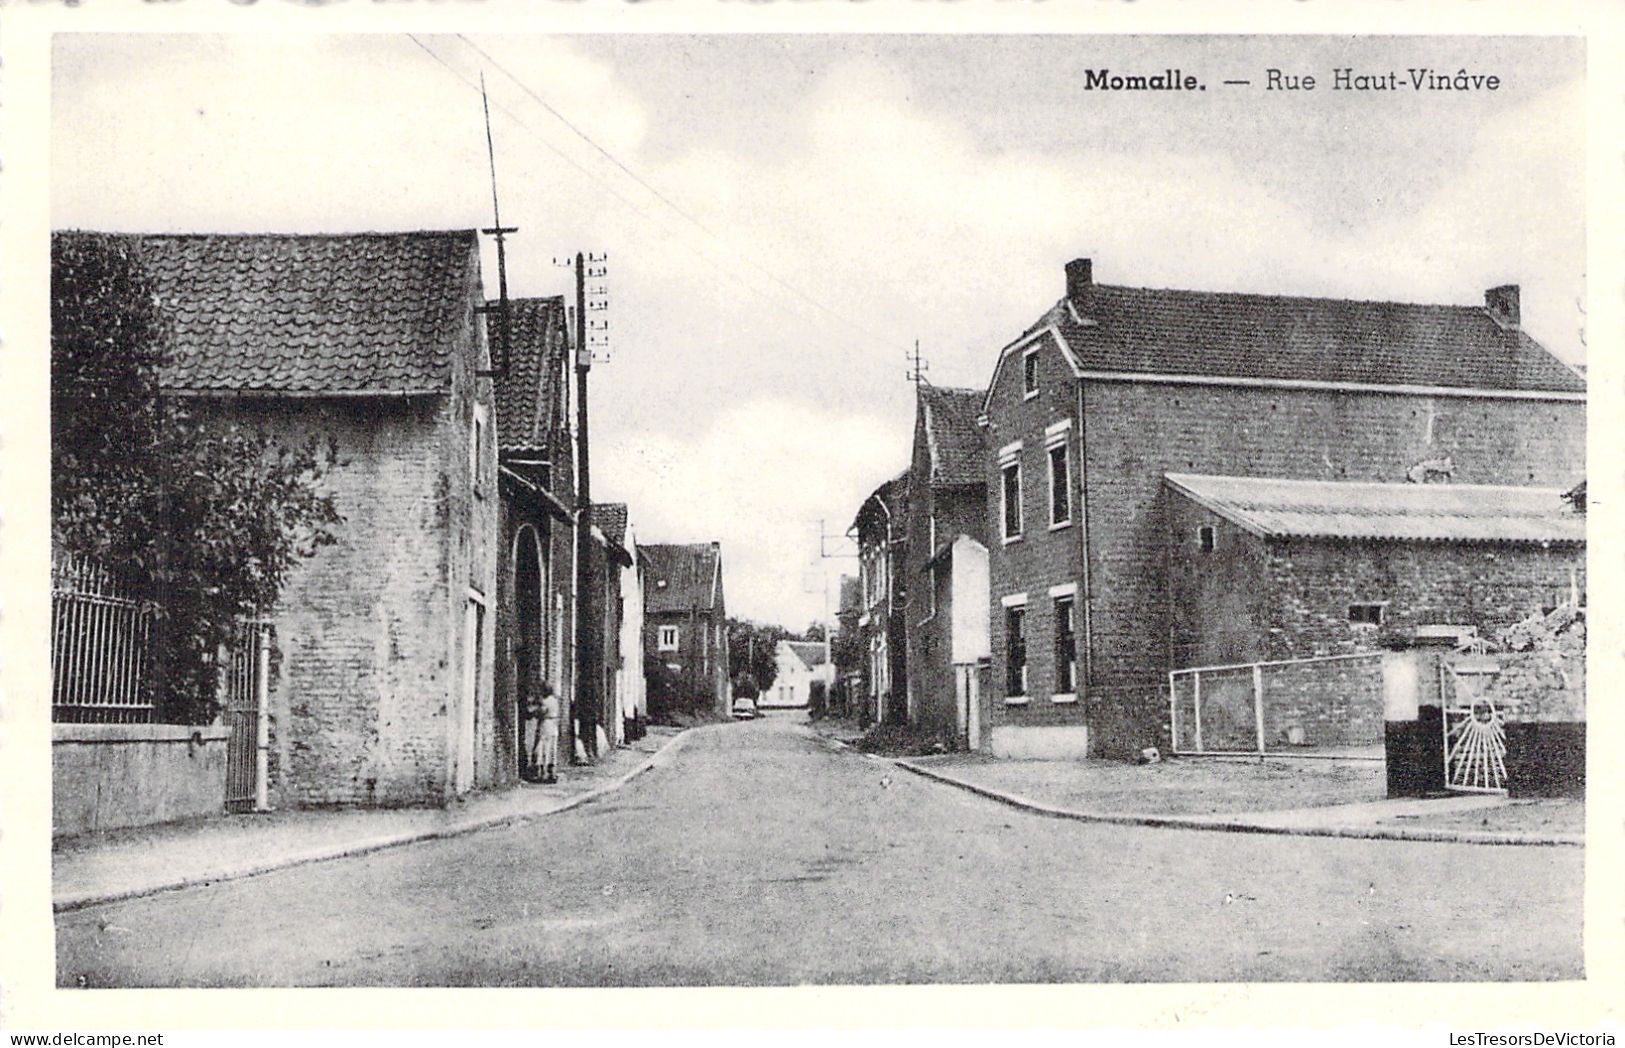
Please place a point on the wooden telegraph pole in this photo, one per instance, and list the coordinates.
(589, 628)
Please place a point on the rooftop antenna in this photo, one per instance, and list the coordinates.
(917, 365)
(499, 231)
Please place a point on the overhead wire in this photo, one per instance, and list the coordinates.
(665, 228)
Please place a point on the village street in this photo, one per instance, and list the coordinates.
(765, 855)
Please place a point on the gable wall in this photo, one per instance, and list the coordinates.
(362, 663)
(1043, 557)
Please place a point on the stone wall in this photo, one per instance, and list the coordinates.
(104, 776)
(1490, 586)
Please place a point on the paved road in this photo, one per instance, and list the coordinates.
(764, 856)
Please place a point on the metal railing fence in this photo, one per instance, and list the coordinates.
(99, 634)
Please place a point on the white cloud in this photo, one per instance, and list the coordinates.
(744, 415)
(757, 478)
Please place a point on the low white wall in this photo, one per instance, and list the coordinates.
(1055, 742)
(105, 776)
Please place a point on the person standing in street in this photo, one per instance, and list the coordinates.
(545, 755)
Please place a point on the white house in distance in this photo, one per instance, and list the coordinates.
(630, 693)
(800, 663)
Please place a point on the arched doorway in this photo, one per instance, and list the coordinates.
(529, 640)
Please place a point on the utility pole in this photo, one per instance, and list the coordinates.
(588, 631)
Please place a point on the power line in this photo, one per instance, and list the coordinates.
(639, 210)
(645, 184)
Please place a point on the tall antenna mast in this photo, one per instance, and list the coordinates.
(499, 231)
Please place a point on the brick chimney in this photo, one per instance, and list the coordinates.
(1080, 277)
(1502, 305)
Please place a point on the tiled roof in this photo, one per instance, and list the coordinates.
(686, 570)
(810, 653)
(893, 493)
(527, 396)
(951, 434)
(611, 520)
(1226, 335)
(1403, 512)
(312, 314)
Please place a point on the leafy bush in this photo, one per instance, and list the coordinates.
(199, 515)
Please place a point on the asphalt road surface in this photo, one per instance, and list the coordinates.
(764, 856)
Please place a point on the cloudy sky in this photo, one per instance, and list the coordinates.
(784, 215)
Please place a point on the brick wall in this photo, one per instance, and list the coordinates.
(364, 658)
(935, 516)
(524, 522)
(1043, 557)
(368, 666)
(1218, 612)
(1486, 585)
(1136, 432)
(695, 657)
(473, 517)
(1133, 433)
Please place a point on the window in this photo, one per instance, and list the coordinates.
(1365, 614)
(1011, 489)
(1015, 682)
(1207, 540)
(1060, 486)
(476, 448)
(668, 638)
(1066, 646)
(1029, 374)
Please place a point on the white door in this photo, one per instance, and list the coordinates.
(473, 643)
(970, 690)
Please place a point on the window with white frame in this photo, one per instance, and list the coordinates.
(1029, 374)
(1207, 538)
(1060, 484)
(476, 448)
(1066, 645)
(1010, 493)
(1015, 651)
(668, 638)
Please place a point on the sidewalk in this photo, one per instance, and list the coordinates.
(1217, 795)
(123, 864)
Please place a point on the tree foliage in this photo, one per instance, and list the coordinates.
(196, 513)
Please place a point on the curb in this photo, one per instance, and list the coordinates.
(366, 846)
(1231, 824)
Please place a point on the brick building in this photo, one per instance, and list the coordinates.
(946, 560)
(536, 585)
(685, 631)
(1265, 569)
(847, 650)
(1114, 387)
(609, 561)
(881, 532)
(381, 682)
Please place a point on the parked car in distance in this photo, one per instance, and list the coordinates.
(745, 709)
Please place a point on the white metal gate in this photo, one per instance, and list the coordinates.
(1475, 740)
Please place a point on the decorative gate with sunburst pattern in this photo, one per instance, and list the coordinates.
(1475, 740)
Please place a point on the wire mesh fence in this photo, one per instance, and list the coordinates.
(1327, 706)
